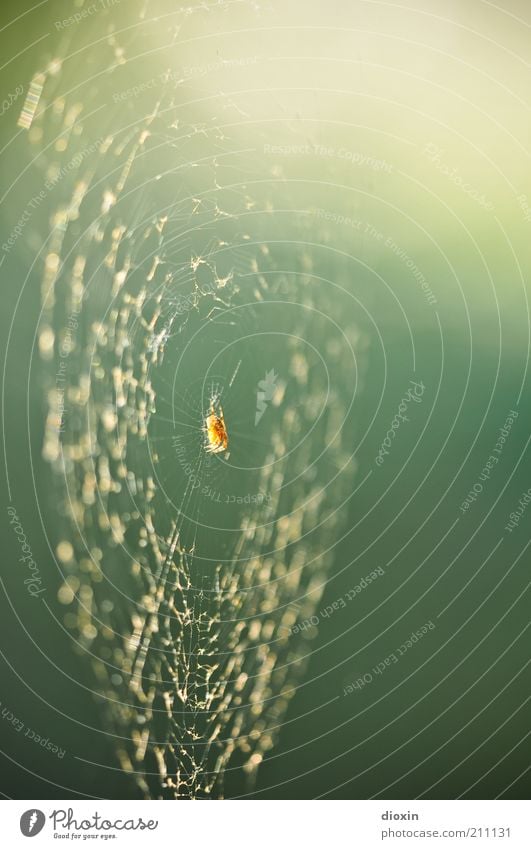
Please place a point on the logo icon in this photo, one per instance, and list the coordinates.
(264, 394)
(32, 822)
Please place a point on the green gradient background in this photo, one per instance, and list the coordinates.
(384, 81)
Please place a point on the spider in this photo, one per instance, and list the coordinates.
(217, 439)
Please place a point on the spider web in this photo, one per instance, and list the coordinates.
(167, 284)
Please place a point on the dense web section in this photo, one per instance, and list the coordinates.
(169, 286)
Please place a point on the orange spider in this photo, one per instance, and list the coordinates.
(217, 439)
